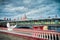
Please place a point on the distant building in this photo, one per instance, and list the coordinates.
(9, 19)
(24, 17)
(5, 18)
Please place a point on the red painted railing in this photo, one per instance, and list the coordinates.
(47, 34)
(23, 36)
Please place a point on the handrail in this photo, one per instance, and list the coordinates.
(48, 34)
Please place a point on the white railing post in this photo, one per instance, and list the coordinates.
(52, 37)
(44, 35)
(49, 37)
(40, 35)
(55, 37)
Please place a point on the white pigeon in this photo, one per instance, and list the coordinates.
(10, 28)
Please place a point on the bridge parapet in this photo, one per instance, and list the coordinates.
(44, 34)
(50, 35)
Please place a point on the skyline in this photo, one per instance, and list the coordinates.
(35, 9)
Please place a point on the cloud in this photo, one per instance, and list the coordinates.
(11, 8)
(27, 1)
(42, 11)
(49, 9)
(32, 8)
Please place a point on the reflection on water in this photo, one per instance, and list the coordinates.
(56, 28)
(27, 27)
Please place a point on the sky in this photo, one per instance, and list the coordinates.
(34, 9)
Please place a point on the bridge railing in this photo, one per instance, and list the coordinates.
(47, 34)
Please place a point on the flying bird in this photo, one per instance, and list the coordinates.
(10, 28)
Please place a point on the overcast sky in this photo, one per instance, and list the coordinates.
(35, 9)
